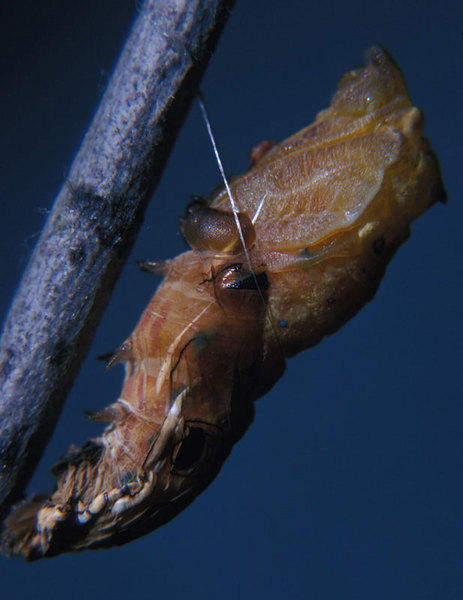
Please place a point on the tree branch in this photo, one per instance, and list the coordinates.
(93, 224)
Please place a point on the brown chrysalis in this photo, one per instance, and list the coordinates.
(320, 215)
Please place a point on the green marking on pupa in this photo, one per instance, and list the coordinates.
(203, 340)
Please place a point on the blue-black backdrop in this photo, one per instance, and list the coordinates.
(349, 483)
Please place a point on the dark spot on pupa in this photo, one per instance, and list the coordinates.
(331, 300)
(239, 278)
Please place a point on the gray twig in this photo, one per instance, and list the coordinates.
(93, 224)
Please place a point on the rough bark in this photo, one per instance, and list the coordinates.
(93, 224)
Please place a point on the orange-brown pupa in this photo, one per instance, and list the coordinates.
(321, 214)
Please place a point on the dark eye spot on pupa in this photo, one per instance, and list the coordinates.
(259, 281)
(238, 278)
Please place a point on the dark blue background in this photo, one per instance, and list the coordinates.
(349, 483)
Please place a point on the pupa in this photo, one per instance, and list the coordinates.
(317, 219)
